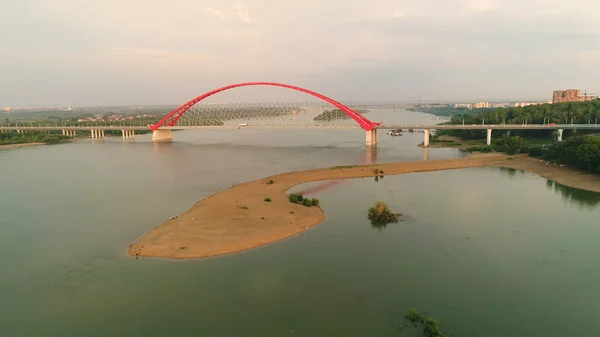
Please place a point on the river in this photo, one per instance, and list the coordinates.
(488, 252)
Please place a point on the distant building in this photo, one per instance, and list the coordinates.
(500, 105)
(570, 95)
(7, 109)
(462, 105)
(481, 105)
(522, 104)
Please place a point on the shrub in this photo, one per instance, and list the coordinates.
(483, 148)
(297, 198)
(291, 212)
(267, 199)
(536, 151)
(430, 326)
(376, 171)
(270, 182)
(510, 144)
(380, 213)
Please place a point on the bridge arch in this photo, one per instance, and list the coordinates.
(172, 117)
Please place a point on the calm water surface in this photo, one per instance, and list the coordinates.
(488, 252)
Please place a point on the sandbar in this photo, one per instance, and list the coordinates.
(238, 218)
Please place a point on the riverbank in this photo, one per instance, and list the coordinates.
(561, 174)
(238, 218)
(16, 146)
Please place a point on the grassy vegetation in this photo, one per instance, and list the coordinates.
(243, 207)
(267, 199)
(445, 142)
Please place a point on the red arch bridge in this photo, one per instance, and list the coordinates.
(237, 106)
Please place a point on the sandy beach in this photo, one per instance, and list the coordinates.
(238, 218)
(16, 146)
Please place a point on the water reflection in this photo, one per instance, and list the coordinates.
(511, 172)
(322, 186)
(370, 155)
(378, 225)
(581, 198)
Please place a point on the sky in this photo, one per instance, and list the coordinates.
(120, 52)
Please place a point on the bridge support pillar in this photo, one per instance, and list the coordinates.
(166, 135)
(489, 137)
(371, 138)
(426, 153)
(97, 134)
(127, 134)
(560, 132)
(426, 133)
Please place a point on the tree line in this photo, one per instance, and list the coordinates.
(580, 149)
(10, 138)
(582, 152)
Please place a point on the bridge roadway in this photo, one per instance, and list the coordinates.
(164, 133)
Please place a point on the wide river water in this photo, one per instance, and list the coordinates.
(488, 252)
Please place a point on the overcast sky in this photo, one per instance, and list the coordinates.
(109, 52)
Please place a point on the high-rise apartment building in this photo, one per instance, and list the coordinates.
(571, 95)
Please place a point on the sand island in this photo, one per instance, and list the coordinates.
(238, 218)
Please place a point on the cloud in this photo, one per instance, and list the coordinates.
(241, 12)
(214, 13)
(461, 48)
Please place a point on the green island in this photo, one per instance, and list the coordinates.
(580, 149)
(329, 115)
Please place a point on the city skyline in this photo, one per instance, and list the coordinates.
(123, 53)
